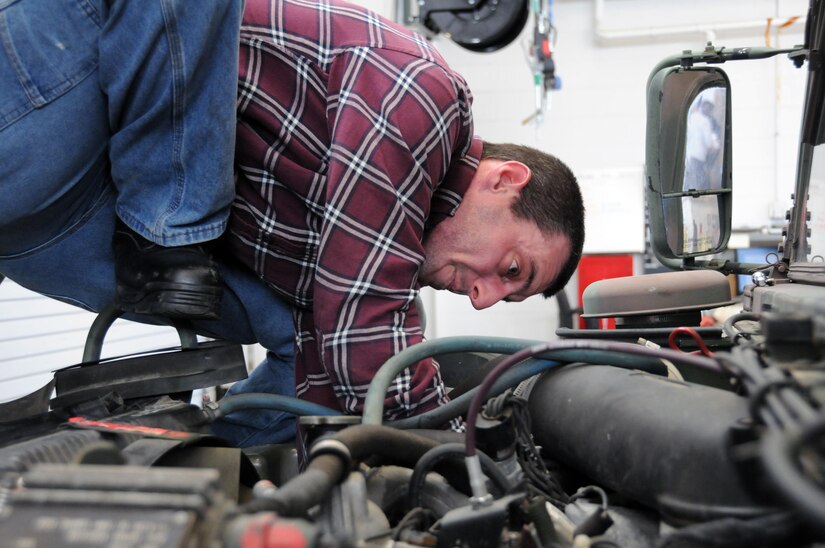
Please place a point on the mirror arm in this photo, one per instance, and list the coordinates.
(714, 55)
(721, 55)
(693, 193)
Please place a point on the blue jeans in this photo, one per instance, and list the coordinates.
(151, 85)
(129, 110)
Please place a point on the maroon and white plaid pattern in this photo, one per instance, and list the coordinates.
(354, 136)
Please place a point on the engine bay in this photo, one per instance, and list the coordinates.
(663, 432)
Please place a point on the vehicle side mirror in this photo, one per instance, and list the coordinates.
(688, 162)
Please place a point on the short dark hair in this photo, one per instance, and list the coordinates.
(552, 199)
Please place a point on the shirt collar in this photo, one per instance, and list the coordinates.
(447, 197)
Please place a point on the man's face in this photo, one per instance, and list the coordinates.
(484, 251)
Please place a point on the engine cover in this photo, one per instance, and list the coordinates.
(664, 443)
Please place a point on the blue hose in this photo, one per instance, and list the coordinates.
(276, 402)
(374, 401)
(454, 408)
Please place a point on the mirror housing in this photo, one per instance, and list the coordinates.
(688, 163)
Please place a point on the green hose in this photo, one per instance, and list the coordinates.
(374, 402)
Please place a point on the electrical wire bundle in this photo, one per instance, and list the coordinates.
(792, 445)
(535, 470)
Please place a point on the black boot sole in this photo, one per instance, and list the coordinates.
(170, 300)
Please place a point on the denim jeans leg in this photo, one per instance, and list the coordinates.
(53, 124)
(261, 426)
(169, 69)
(154, 82)
(269, 318)
(75, 266)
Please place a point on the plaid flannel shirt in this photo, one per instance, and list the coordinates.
(354, 137)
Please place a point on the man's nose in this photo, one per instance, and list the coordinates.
(486, 292)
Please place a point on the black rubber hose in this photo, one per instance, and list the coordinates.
(304, 491)
(430, 460)
(327, 469)
(400, 446)
(729, 327)
(566, 312)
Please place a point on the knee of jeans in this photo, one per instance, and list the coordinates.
(266, 380)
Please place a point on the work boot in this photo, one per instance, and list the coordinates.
(174, 282)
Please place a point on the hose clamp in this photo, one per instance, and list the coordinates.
(331, 446)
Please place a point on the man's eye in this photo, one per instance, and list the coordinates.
(514, 270)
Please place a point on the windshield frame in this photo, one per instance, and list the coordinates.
(811, 151)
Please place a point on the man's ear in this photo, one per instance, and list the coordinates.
(512, 175)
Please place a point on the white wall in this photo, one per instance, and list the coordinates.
(595, 124)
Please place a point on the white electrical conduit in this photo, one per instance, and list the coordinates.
(613, 37)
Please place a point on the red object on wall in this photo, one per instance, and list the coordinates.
(593, 268)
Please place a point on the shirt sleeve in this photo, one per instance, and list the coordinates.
(396, 123)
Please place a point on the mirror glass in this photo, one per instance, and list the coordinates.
(700, 228)
(704, 139)
(689, 162)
